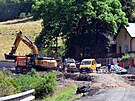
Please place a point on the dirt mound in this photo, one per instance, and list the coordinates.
(109, 80)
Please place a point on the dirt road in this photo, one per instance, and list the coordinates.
(112, 94)
(110, 87)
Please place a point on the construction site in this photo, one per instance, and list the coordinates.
(105, 79)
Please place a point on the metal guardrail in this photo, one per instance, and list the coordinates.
(24, 96)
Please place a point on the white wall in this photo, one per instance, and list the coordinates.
(122, 41)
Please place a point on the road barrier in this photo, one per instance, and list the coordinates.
(24, 96)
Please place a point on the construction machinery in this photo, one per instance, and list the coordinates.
(70, 65)
(25, 63)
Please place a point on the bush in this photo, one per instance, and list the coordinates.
(43, 84)
(6, 87)
(29, 15)
(22, 15)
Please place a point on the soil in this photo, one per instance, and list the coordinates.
(98, 81)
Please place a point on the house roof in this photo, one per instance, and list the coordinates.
(131, 29)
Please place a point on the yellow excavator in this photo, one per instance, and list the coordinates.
(27, 62)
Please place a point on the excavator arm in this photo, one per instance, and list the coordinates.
(21, 37)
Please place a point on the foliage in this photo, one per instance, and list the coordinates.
(83, 24)
(43, 84)
(12, 9)
(14, 1)
(29, 14)
(128, 6)
(127, 57)
(66, 94)
(22, 15)
(6, 87)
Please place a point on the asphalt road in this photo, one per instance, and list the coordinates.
(112, 94)
(7, 64)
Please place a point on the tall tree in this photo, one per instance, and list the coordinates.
(128, 6)
(84, 23)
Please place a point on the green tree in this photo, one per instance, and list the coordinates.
(14, 1)
(84, 23)
(128, 7)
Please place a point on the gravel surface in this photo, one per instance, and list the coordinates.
(110, 87)
(7, 64)
(112, 94)
(109, 81)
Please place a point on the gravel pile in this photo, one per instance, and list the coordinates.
(109, 80)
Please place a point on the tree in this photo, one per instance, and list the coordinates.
(128, 7)
(84, 23)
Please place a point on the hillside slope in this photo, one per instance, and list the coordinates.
(8, 34)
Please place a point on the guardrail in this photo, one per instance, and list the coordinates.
(24, 96)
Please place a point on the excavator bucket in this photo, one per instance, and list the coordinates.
(10, 56)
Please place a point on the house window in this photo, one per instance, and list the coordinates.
(125, 35)
(126, 48)
(119, 49)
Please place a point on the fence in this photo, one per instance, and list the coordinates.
(24, 96)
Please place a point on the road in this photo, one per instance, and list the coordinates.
(7, 64)
(112, 94)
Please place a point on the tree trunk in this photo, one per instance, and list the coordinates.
(77, 53)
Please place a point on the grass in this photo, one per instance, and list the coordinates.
(67, 94)
(8, 34)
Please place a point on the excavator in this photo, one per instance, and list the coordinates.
(27, 62)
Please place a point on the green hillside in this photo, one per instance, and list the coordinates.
(8, 34)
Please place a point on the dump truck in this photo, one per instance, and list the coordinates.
(27, 62)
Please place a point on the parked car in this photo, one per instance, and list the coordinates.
(69, 65)
(120, 70)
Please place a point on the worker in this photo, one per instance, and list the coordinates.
(109, 68)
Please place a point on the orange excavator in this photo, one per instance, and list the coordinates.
(25, 63)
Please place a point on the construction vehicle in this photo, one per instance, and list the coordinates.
(25, 63)
(69, 65)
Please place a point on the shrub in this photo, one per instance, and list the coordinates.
(6, 87)
(43, 84)
(22, 15)
(29, 15)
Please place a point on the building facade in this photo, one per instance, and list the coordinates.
(125, 38)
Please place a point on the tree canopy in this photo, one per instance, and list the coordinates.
(128, 6)
(84, 24)
(14, 1)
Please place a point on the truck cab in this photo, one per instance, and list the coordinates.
(69, 65)
(88, 65)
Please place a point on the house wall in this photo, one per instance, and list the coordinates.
(133, 44)
(123, 40)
